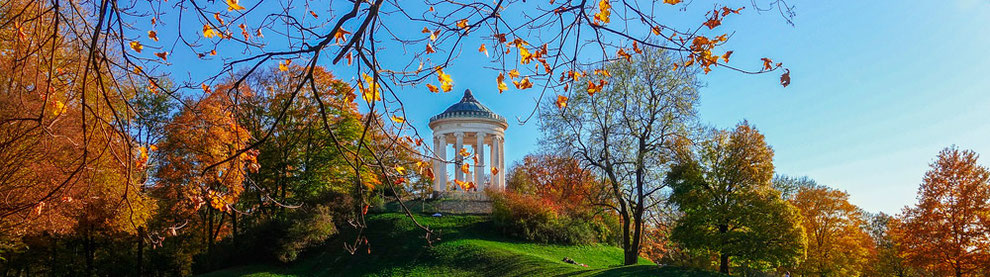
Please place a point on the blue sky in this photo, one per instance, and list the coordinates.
(878, 88)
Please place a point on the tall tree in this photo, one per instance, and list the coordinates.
(948, 230)
(624, 130)
(837, 243)
(889, 259)
(723, 187)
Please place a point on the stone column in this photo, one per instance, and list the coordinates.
(501, 162)
(438, 144)
(458, 159)
(493, 163)
(479, 168)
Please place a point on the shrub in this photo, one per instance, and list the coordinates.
(532, 218)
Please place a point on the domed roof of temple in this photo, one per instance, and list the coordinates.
(468, 107)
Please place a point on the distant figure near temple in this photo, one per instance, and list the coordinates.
(469, 123)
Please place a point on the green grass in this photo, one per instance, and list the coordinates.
(468, 247)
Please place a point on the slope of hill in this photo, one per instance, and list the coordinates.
(469, 247)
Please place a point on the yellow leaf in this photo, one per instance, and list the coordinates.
(483, 49)
(501, 82)
(208, 31)
(284, 66)
(445, 82)
(513, 73)
(463, 24)
(232, 5)
(604, 11)
(59, 108)
(561, 101)
(672, 2)
(136, 45)
(463, 152)
(153, 35)
(524, 56)
(370, 93)
(398, 119)
(401, 170)
(466, 168)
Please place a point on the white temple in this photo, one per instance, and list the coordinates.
(471, 126)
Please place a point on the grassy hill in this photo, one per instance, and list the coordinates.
(469, 247)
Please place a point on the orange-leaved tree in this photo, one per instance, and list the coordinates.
(948, 230)
(200, 136)
(837, 243)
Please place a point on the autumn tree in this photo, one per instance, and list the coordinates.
(947, 230)
(837, 243)
(889, 258)
(194, 178)
(560, 179)
(622, 125)
(722, 186)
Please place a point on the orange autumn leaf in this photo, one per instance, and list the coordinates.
(725, 57)
(136, 45)
(244, 31)
(217, 17)
(313, 14)
(340, 35)
(501, 82)
(524, 84)
(622, 53)
(232, 5)
(429, 49)
(425, 30)
(656, 30)
(463, 24)
(513, 73)
(672, 2)
(162, 55)
(636, 48)
(466, 168)
(153, 35)
(767, 63)
(561, 101)
(494, 171)
(464, 153)
(483, 49)
(432, 88)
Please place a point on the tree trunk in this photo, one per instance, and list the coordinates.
(88, 250)
(723, 263)
(140, 249)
